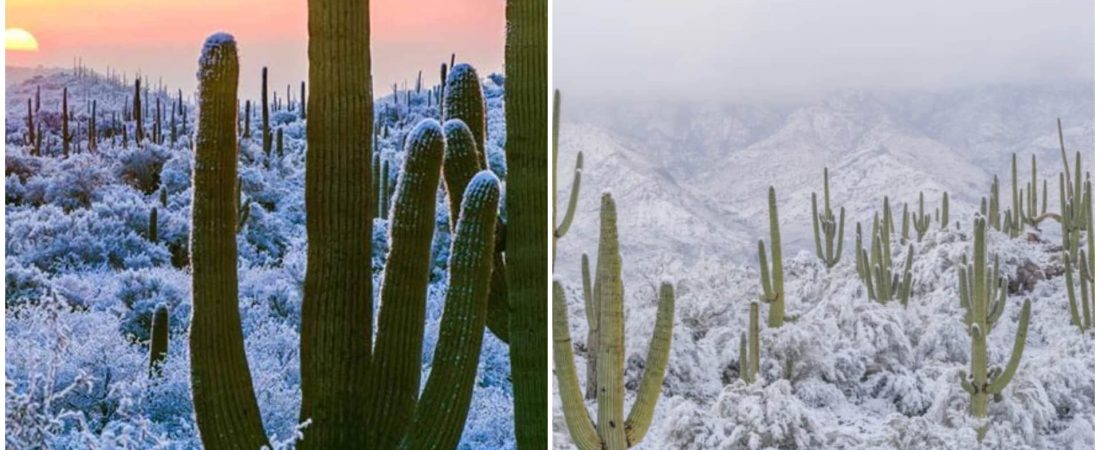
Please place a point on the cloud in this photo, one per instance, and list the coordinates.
(785, 50)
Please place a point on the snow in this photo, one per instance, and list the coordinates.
(847, 373)
(83, 279)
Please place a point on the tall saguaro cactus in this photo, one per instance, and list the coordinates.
(611, 431)
(979, 286)
(772, 283)
(65, 136)
(336, 333)
(139, 127)
(225, 404)
(265, 114)
(525, 108)
(826, 224)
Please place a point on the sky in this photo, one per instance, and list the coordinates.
(789, 50)
(162, 38)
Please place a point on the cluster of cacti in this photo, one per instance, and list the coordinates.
(1025, 202)
(826, 223)
(772, 282)
(883, 282)
(1075, 200)
(748, 357)
(610, 431)
(982, 293)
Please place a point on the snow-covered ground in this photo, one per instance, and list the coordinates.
(691, 186)
(83, 278)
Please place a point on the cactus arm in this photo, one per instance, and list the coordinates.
(610, 373)
(445, 402)
(839, 239)
(459, 164)
(817, 226)
(463, 100)
(641, 414)
(998, 383)
(225, 404)
(754, 341)
(396, 360)
(574, 193)
(742, 359)
(573, 408)
(966, 383)
(1086, 314)
(765, 279)
(592, 311)
(1074, 316)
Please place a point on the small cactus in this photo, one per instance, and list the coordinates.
(921, 221)
(610, 431)
(772, 282)
(945, 216)
(65, 136)
(158, 345)
(749, 356)
(877, 270)
(825, 223)
(153, 225)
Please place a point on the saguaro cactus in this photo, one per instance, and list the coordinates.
(944, 212)
(153, 224)
(826, 223)
(525, 108)
(65, 136)
(225, 405)
(139, 127)
(463, 100)
(1080, 315)
(563, 227)
(978, 294)
(1075, 199)
(592, 313)
(772, 283)
(921, 221)
(158, 345)
(610, 431)
(749, 356)
(265, 115)
(877, 270)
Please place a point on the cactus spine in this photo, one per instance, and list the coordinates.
(610, 431)
(749, 356)
(225, 405)
(979, 295)
(525, 109)
(158, 345)
(826, 223)
(772, 283)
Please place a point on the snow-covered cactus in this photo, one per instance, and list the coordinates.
(983, 295)
(904, 223)
(771, 282)
(92, 129)
(877, 271)
(460, 163)
(826, 223)
(749, 355)
(993, 214)
(265, 114)
(158, 345)
(610, 431)
(1080, 315)
(463, 100)
(224, 400)
(525, 109)
(921, 221)
(562, 228)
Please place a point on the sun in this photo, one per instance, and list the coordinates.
(20, 40)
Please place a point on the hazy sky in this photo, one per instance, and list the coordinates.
(163, 37)
(787, 50)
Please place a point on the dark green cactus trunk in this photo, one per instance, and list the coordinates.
(525, 109)
(247, 118)
(139, 128)
(225, 404)
(463, 100)
(153, 224)
(266, 115)
(336, 338)
(302, 102)
(158, 345)
(65, 121)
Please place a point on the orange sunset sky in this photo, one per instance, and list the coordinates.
(162, 38)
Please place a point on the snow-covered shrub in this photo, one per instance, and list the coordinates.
(140, 166)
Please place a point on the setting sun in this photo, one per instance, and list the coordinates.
(18, 39)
